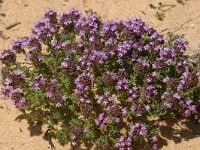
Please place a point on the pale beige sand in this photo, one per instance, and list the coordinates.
(29, 11)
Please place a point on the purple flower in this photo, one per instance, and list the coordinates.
(17, 97)
(149, 92)
(19, 102)
(7, 56)
(134, 93)
(154, 142)
(180, 45)
(7, 81)
(39, 82)
(109, 77)
(177, 96)
(102, 120)
(124, 48)
(19, 74)
(70, 17)
(18, 46)
(138, 129)
(122, 84)
(187, 107)
(139, 108)
(124, 143)
(7, 91)
(83, 84)
(124, 111)
(48, 94)
(87, 25)
(106, 99)
(166, 79)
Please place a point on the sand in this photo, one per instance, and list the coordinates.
(15, 133)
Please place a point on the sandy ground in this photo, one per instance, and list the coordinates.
(15, 134)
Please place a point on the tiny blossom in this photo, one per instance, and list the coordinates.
(124, 143)
(150, 78)
(69, 65)
(109, 77)
(7, 91)
(106, 99)
(19, 45)
(53, 92)
(19, 74)
(154, 142)
(124, 111)
(7, 56)
(133, 93)
(177, 96)
(138, 129)
(8, 81)
(39, 82)
(122, 84)
(180, 45)
(17, 97)
(150, 91)
(83, 83)
(188, 107)
(139, 109)
(166, 79)
(102, 121)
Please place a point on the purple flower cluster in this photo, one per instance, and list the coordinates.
(7, 91)
(38, 82)
(109, 77)
(46, 27)
(106, 99)
(90, 58)
(13, 77)
(137, 130)
(83, 84)
(102, 120)
(149, 92)
(141, 66)
(188, 108)
(69, 18)
(188, 81)
(180, 45)
(111, 107)
(182, 65)
(7, 56)
(134, 93)
(19, 45)
(154, 142)
(17, 97)
(75, 133)
(69, 65)
(88, 26)
(150, 78)
(86, 108)
(122, 85)
(53, 93)
(170, 99)
(140, 108)
(124, 143)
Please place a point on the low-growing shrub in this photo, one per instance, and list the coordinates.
(99, 82)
